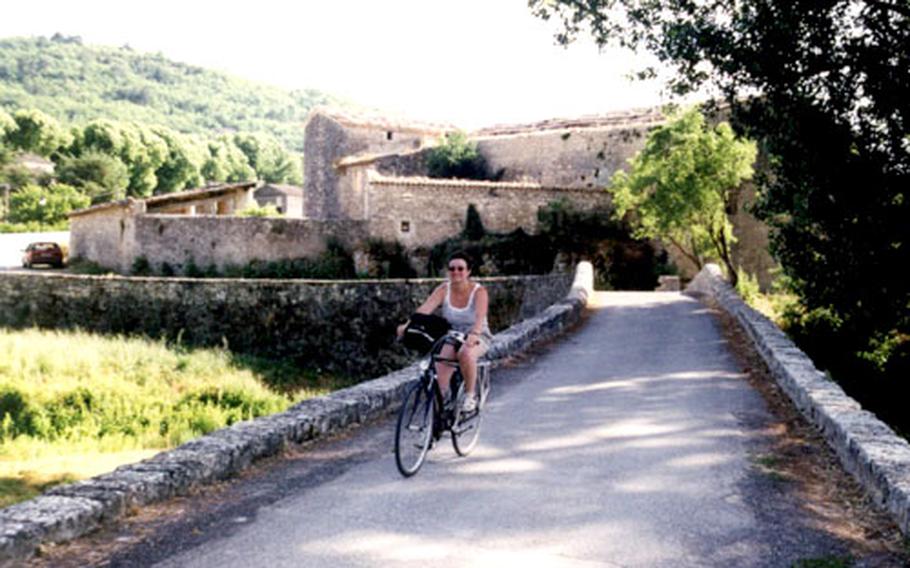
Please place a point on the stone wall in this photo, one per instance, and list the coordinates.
(433, 210)
(227, 240)
(867, 448)
(106, 237)
(327, 140)
(68, 511)
(572, 157)
(342, 326)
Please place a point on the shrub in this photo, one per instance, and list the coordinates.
(141, 267)
(388, 259)
(456, 157)
(46, 205)
(257, 211)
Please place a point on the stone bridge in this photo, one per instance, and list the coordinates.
(631, 441)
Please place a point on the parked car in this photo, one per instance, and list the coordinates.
(43, 253)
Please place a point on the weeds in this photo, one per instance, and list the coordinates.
(74, 393)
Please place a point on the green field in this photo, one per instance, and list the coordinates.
(74, 404)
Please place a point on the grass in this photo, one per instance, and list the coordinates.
(74, 404)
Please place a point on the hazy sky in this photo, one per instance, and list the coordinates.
(469, 62)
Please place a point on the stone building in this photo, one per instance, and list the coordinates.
(371, 170)
(366, 177)
(376, 172)
(287, 199)
(115, 234)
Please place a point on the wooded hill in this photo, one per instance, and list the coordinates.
(76, 83)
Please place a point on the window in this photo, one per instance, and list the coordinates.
(388, 135)
(405, 226)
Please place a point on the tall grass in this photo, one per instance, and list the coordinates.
(75, 393)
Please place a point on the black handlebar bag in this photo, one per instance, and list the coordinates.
(423, 331)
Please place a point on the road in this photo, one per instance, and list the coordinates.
(631, 442)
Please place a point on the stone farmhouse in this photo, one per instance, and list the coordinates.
(366, 177)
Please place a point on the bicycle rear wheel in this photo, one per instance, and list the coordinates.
(414, 430)
(466, 429)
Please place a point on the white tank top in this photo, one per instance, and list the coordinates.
(462, 319)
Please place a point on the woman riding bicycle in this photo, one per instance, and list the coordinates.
(464, 304)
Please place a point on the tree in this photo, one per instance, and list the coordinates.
(99, 176)
(456, 157)
(181, 166)
(136, 145)
(225, 162)
(825, 89)
(682, 185)
(7, 124)
(271, 161)
(36, 132)
(46, 205)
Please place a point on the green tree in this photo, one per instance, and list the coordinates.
(226, 162)
(7, 124)
(100, 176)
(80, 83)
(36, 132)
(182, 164)
(825, 88)
(139, 147)
(271, 161)
(46, 205)
(682, 185)
(457, 157)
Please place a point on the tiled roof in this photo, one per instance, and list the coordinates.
(168, 198)
(379, 179)
(381, 121)
(629, 118)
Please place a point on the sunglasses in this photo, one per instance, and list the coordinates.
(457, 268)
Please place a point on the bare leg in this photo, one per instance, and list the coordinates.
(467, 359)
(444, 371)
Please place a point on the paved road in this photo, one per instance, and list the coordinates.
(628, 444)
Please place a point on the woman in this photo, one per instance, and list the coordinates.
(464, 304)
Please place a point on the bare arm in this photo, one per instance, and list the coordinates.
(481, 306)
(433, 301)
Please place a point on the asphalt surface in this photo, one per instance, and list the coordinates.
(631, 442)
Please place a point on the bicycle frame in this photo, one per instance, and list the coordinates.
(425, 399)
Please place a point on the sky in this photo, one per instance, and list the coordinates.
(471, 63)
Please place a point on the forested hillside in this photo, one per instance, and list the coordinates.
(118, 123)
(76, 83)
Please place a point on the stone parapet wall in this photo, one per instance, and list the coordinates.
(341, 326)
(870, 450)
(210, 240)
(69, 511)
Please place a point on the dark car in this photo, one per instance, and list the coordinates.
(43, 253)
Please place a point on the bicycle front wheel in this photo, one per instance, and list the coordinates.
(414, 430)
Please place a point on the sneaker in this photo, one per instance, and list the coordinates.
(469, 404)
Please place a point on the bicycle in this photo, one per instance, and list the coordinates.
(425, 416)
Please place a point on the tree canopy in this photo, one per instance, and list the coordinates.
(76, 83)
(825, 89)
(681, 187)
